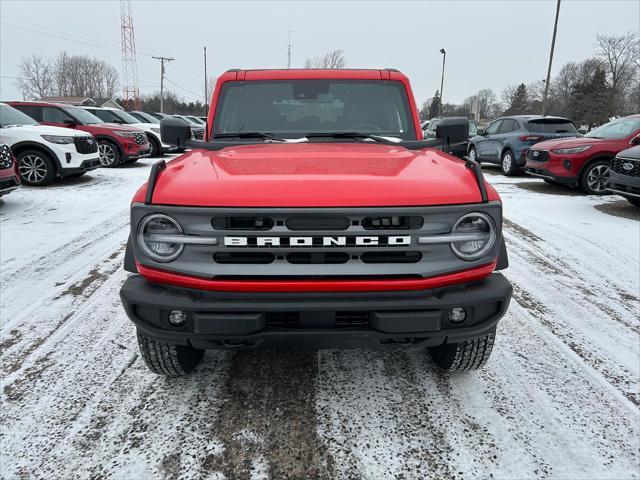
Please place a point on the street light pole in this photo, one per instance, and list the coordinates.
(444, 57)
(553, 46)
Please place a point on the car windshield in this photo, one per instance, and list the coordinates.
(11, 116)
(294, 108)
(125, 117)
(551, 125)
(83, 116)
(145, 117)
(620, 128)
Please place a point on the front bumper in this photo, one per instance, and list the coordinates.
(624, 185)
(85, 166)
(226, 320)
(9, 183)
(539, 171)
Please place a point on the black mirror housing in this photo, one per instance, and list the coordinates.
(453, 130)
(175, 132)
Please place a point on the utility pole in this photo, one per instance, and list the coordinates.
(162, 60)
(206, 87)
(444, 57)
(553, 46)
(289, 45)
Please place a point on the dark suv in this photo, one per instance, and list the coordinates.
(507, 140)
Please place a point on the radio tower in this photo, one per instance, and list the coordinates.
(131, 94)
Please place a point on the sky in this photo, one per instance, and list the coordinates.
(489, 44)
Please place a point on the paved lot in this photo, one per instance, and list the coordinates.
(559, 398)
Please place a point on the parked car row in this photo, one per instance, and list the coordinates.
(551, 148)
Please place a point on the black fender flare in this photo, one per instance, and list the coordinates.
(129, 259)
(16, 148)
(503, 256)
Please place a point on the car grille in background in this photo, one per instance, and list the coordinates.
(85, 144)
(617, 165)
(140, 138)
(197, 133)
(6, 158)
(542, 155)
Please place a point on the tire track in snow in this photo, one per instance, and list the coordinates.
(565, 314)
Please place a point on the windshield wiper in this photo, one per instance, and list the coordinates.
(263, 135)
(356, 135)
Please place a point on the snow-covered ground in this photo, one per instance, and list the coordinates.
(559, 398)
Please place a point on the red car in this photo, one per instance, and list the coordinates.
(117, 143)
(315, 214)
(584, 161)
(9, 178)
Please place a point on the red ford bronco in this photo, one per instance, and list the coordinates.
(314, 214)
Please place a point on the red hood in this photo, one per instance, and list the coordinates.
(573, 142)
(315, 175)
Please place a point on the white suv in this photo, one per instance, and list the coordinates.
(115, 115)
(44, 152)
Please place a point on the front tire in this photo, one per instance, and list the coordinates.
(168, 359)
(472, 154)
(36, 168)
(464, 356)
(508, 164)
(593, 180)
(155, 147)
(109, 154)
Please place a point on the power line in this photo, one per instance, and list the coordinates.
(182, 88)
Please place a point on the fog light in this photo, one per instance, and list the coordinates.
(567, 165)
(457, 315)
(177, 317)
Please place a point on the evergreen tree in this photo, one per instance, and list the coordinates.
(591, 99)
(435, 104)
(519, 103)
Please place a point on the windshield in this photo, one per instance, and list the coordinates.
(145, 117)
(82, 115)
(552, 125)
(125, 116)
(293, 108)
(11, 116)
(620, 128)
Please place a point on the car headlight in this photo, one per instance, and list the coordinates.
(124, 133)
(154, 237)
(569, 151)
(477, 234)
(154, 129)
(59, 139)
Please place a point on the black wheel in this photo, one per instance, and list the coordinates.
(36, 168)
(593, 180)
(508, 163)
(109, 153)
(633, 201)
(463, 356)
(155, 146)
(472, 154)
(166, 358)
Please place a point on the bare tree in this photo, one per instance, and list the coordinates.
(36, 77)
(620, 55)
(83, 76)
(507, 94)
(331, 60)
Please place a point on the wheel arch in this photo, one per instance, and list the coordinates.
(112, 140)
(20, 147)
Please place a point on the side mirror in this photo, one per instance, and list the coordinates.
(69, 121)
(175, 132)
(480, 132)
(635, 140)
(453, 130)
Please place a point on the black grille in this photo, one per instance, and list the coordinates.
(85, 145)
(140, 138)
(10, 183)
(618, 166)
(538, 155)
(6, 158)
(197, 133)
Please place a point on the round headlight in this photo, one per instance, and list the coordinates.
(480, 233)
(154, 237)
